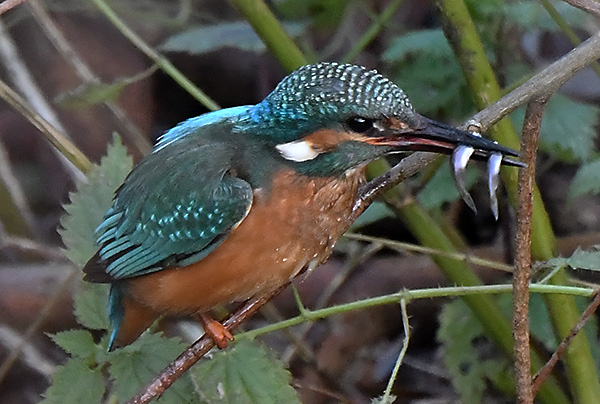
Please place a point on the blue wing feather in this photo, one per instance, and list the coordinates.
(174, 208)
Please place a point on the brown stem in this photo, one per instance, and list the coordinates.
(531, 131)
(197, 350)
(541, 376)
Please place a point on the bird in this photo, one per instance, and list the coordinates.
(235, 203)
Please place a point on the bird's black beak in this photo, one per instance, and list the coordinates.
(424, 134)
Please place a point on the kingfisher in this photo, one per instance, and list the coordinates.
(234, 204)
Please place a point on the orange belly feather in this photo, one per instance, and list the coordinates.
(292, 227)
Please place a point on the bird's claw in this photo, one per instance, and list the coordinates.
(460, 159)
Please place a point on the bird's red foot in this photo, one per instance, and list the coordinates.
(215, 330)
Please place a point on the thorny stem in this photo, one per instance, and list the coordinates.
(521, 275)
(406, 327)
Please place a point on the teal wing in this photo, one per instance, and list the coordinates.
(173, 209)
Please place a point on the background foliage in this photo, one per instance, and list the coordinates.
(348, 357)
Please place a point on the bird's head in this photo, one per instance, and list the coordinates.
(326, 118)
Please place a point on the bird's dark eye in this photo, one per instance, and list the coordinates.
(359, 124)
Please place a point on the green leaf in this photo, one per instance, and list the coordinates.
(78, 343)
(587, 180)
(240, 35)
(91, 201)
(91, 302)
(431, 41)
(459, 332)
(580, 259)
(75, 383)
(530, 15)
(96, 93)
(243, 374)
(442, 188)
(568, 129)
(135, 365)
(375, 212)
(425, 67)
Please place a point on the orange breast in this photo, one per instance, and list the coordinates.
(293, 226)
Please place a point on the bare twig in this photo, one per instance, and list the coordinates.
(589, 6)
(15, 192)
(387, 396)
(40, 108)
(8, 5)
(197, 350)
(544, 83)
(85, 73)
(156, 57)
(541, 376)
(521, 276)
(35, 326)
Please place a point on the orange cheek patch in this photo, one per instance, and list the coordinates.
(395, 124)
(326, 139)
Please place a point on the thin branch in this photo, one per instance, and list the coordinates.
(409, 295)
(85, 73)
(521, 276)
(15, 195)
(406, 327)
(403, 247)
(269, 29)
(53, 135)
(541, 376)
(40, 109)
(373, 30)
(156, 57)
(50, 306)
(543, 84)
(197, 350)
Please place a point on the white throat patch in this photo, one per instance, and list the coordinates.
(298, 151)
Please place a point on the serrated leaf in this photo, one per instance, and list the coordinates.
(425, 67)
(580, 259)
(586, 181)
(135, 365)
(442, 188)
(78, 343)
(91, 302)
(568, 129)
(459, 332)
(91, 201)
(239, 34)
(243, 374)
(75, 383)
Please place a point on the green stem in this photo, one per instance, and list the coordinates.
(409, 295)
(462, 35)
(373, 31)
(429, 233)
(60, 142)
(268, 28)
(401, 247)
(156, 57)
